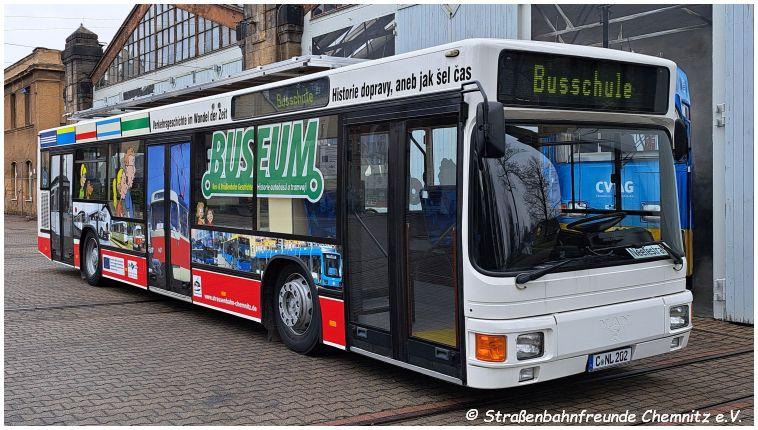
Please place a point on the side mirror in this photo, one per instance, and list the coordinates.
(681, 140)
(490, 130)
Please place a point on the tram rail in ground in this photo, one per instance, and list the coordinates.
(485, 399)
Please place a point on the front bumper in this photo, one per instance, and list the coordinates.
(570, 337)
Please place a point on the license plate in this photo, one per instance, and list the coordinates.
(648, 251)
(609, 359)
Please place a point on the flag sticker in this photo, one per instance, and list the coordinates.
(109, 128)
(47, 138)
(113, 265)
(136, 124)
(66, 135)
(86, 132)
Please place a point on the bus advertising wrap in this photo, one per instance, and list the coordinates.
(287, 160)
(286, 166)
(230, 171)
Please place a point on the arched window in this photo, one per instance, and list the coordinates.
(29, 181)
(14, 181)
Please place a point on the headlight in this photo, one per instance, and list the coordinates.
(530, 345)
(679, 316)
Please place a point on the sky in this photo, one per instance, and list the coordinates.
(33, 25)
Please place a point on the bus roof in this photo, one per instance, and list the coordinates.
(360, 83)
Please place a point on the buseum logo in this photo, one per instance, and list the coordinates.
(287, 160)
(230, 171)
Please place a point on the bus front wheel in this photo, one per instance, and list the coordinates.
(296, 310)
(91, 260)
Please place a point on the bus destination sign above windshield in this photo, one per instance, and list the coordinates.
(565, 82)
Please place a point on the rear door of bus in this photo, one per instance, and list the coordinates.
(61, 216)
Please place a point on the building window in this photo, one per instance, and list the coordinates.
(27, 105)
(14, 181)
(166, 35)
(325, 9)
(13, 110)
(29, 181)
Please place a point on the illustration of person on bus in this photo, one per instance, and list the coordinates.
(83, 181)
(122, 186)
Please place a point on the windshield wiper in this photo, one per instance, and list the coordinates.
(675, 255)
(523, 278)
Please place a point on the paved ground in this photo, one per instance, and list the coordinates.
(76, 354)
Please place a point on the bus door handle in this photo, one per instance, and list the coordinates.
(442, 354)
(361, 332)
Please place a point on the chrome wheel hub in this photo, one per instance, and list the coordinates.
(92, 257)
(296, 304)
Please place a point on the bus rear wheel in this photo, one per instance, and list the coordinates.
(296, 311)
(91, 260)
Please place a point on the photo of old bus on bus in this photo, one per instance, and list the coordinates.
(252, 254)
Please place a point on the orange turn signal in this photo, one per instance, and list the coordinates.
(490, 347)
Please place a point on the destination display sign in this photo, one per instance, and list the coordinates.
(289, 98)
(565, 82)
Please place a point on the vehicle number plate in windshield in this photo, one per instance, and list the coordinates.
(648, 251)
(609, 359)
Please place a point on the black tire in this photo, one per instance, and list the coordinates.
(303, 340)
(92, 272)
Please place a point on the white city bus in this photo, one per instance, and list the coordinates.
(498, 212)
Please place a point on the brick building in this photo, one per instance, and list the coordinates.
(270, 33)
(82, 53)
(33, 89)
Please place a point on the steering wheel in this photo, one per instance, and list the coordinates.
(597, 223)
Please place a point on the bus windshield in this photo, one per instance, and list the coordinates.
(574, 191)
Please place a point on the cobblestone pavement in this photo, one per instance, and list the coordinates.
(76, 354)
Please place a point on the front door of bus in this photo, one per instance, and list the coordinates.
(61, 217)
(401, 241)
(168, 168)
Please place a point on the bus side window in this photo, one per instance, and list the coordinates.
(126, 178)
(301, 214)
(44, 170)
(89, 170)
(432, 175)
(219, 209)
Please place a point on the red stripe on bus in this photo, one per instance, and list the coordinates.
(86, 135)
(332, 321)
(129, 268)
(77, 262)
(43, 245)
(227, 293)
